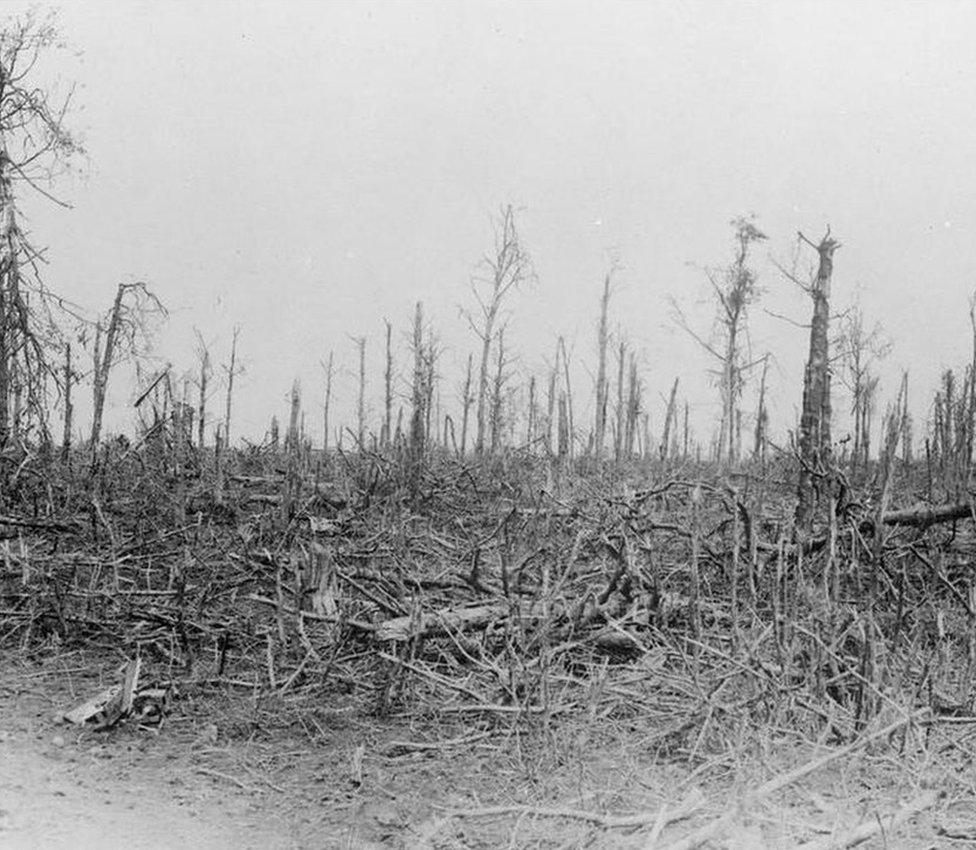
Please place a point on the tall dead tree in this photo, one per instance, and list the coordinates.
(814, 434)
(860, 349)
(735, 289)
(124, 324)
(602, 387)
(35, 147)
(420, 397)
(505, 270)
(762, 416)
(618, 443)
(385, 435)
(229, 398)
(497, 399)
(670, 423)
(361, 397)
(204, 354)
(327, 403)
(466, 401)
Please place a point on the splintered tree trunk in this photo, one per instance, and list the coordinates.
(669, 421)
(482, 407)
(466, 403)
(633, 406)
(292, 489)
(388, 380)
(361, 402)
(202, 406)
(327, 404)
(550, 409)
(619, 442)
(231, 371)
(570, 423)
(418, 419)
(563, 427)
(600, 426)
(68, 405)
(814, 436)
(103, 365)
(762, 416)
(495, 421)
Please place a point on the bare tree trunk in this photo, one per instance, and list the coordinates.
(466, 403)
(670, 416)
(5, 348)
(388, 381)
(479, 444)
(619, 443)
(104, 366)
(430, 381)
(600, 426)
(292, 488)
(684, 451)
(68, 406)
(202, 407)
(418, 418)
(762, 416)
(570, 422)
(495, 421)
(550, 409)
(361, 399)
(231, 372)
(530, 427)
(8, 297)
(633, 405)
(563, 427)
(219, 465)
(814, 437)
(327, 405)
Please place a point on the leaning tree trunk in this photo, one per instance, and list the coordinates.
(814, 437)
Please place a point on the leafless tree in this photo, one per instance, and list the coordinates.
(117, 336)
(506, 268)
(735, 289)
(860, 349)
(203, 352)
(35, 147)
(232, 371)
(327, 403)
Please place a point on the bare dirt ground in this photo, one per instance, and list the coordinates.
(224, 771)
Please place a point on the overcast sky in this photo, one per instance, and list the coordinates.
(304, 170)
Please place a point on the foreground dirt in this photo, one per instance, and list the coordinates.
(53, 799)
(225, 770)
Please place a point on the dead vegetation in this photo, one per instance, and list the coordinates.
(518, 595)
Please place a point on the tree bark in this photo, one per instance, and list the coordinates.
(814, 436)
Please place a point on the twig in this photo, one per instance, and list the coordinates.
(886, 825)
(684, 809)
(709, 830)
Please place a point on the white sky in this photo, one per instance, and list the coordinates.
(306, 169)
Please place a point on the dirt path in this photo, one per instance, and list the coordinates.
(52, 798)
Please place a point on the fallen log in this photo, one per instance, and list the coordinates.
(440, 622)
(922, 516)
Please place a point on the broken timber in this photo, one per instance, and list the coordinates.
(923, 516)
